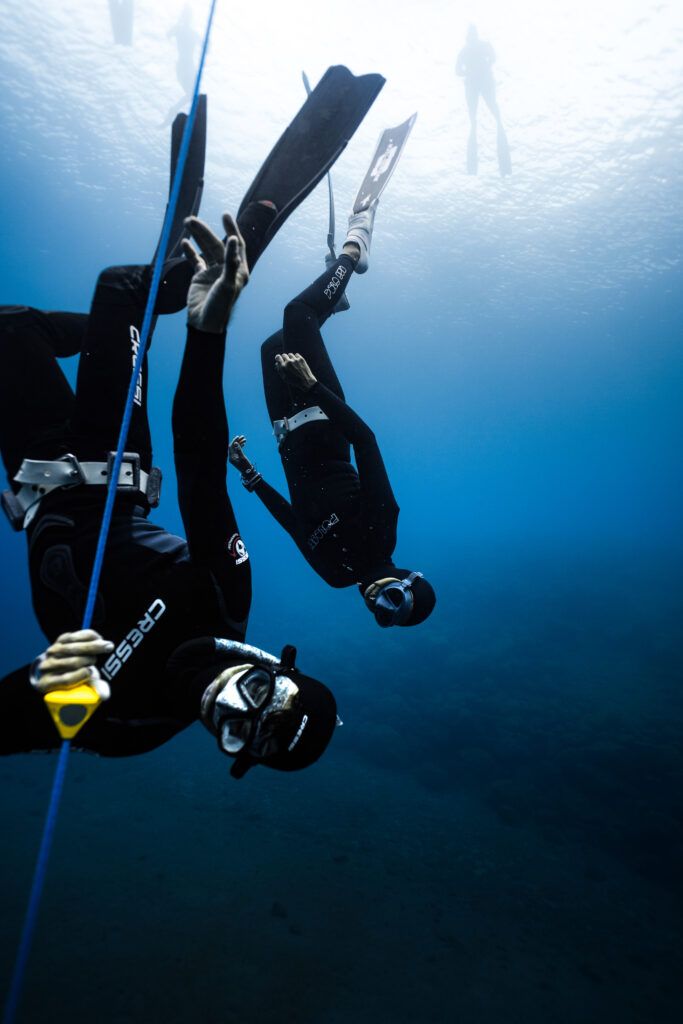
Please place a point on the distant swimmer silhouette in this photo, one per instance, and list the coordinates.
(121, 14)
(187, 41)
(474, 64)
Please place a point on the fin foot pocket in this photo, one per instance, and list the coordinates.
(306, 150)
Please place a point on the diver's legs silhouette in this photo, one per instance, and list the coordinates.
(472, 152)
(186, 69)
(503, 149)
(472, 94)
(121, 13)
(504, 161)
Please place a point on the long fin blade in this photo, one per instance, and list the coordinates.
(383, 164)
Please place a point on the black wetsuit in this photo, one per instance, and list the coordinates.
(156, 590)
(342, 518)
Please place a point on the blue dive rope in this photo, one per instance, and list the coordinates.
(144, 332)
(50, 821)
(36, 888)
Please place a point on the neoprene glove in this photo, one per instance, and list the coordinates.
(220, 274)
(236, 455)
(69, 661)
(237, 458)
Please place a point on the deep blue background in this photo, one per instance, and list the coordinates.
(496, 832)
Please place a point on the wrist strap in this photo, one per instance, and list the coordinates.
(250, 478)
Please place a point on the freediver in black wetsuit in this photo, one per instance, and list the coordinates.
(474, 64)
(173, 611)
(170, 615)
(342, 518)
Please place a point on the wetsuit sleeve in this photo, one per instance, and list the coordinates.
(24, 722)
(200, 443)
(348, 422)
(381, 508)
(279, 507)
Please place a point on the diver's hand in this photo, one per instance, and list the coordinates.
(220, 274)
(294, 369)
(236, 455)
(70, 661)
(250, 475)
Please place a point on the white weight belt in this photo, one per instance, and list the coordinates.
(39, 478)
(285, 426)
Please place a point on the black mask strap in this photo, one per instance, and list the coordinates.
(288, 656)
(242, 763)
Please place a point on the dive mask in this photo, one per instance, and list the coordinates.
(395, 601)
(262, 709)
(249, 695)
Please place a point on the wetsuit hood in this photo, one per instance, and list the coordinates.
(307, 727)
(424, 598)
(383, 570)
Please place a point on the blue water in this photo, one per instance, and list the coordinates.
(496, 832)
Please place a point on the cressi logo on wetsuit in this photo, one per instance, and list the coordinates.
(133, 639)
(135, 345)
(237, 548)
(321, 530)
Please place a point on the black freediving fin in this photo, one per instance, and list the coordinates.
(178, 270)
(192, 183)
(504, 161)
(330, 256)
(304, 153)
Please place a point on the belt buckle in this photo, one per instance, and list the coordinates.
(133, 459)
(281, 429)
(153, 487)
(75, 473)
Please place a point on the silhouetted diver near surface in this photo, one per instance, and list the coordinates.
(121, 14)
(474, 64)
(187, 41)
